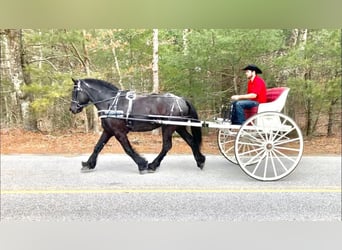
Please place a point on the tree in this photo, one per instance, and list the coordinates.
(155, 56)
(13, 64)
(311, 66)
(203, 65)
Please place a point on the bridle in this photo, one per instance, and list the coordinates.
(79, 89)
(76, 91)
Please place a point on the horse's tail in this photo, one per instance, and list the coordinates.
(196, 131)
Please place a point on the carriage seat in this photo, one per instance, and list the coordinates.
(275, 101)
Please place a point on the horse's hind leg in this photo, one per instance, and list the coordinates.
(89, 165)
(167, 145)
(140, 161)
(199, 157)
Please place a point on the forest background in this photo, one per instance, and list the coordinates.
(203, 65)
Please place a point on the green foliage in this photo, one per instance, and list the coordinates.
(315, 74)
(46, 92)
(203, 65)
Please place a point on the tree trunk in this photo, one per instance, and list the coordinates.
(292, 41)
(306, 74)
(186, 32)
(330, 119)
(155, 68)
(12, 67)
(155, 62)
(116, 62)
(235, 83)
(86, 64)
(308, 119)
(117, 67)
(85, 60)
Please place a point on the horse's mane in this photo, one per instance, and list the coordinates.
(101, 82)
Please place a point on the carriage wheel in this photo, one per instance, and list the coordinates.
(275, 146)
(226, 140)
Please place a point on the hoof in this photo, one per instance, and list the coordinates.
(152, 168)
(201, 165)
(151, 171)
(143, 168)
(87, 170)
(147, 171)
(143, 171)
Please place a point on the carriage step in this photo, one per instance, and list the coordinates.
(222, 120)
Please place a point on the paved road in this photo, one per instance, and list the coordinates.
(51, 188)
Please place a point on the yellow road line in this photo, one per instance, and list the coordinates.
(177, 190)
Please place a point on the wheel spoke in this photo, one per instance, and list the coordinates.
(286, 141)
(253, 159)
(273, 165)
(249, 144)
(230, 148)
(257, 129)
(279, 130)
(285, 156)
(227, 142)
(249, 152)
(283, 135)
(280, 162)
(288, 149)
(258, 164)
(266, 162)
(249, 136)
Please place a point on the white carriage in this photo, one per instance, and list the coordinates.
(269, 145)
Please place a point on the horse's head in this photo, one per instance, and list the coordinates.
(79, 98)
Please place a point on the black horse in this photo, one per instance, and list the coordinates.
(123, 111)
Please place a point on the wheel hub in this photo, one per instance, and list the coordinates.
(269, 146)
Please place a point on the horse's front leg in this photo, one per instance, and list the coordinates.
(89, 165)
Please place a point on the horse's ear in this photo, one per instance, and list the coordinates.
(74, 80)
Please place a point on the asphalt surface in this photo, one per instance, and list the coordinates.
(50, 188)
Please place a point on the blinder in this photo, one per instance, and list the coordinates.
(75, 95)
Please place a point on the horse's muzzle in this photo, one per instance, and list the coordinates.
(75, 110)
